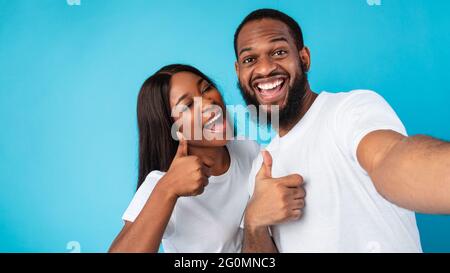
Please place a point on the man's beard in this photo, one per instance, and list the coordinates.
(290, 112)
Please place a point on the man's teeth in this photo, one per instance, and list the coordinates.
(268, 86)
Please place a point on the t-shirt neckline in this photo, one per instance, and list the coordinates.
(223, 177)
(303, 123)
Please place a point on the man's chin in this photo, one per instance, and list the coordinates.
(271, 108)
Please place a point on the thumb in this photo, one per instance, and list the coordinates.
(182, 146)
(266, 166)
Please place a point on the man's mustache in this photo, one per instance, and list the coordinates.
(272, 74)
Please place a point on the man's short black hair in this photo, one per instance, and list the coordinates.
(294, 27)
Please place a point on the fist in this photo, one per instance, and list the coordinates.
(275, 200)
(187, 175)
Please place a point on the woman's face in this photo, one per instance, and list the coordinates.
(198, 109)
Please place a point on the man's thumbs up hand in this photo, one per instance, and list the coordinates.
(274, 200)
(266, 167)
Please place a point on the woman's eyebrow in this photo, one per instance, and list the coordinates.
(182, 97)
(199, 82)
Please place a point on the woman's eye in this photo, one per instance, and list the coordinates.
(206, 88)
(188, 105)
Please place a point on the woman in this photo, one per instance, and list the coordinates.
(191, 193)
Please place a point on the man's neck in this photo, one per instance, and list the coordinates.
(308, 100)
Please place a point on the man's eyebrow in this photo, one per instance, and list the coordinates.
(278, 39)
(244, 49)
(274, 40)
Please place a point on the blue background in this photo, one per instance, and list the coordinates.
(69, 77)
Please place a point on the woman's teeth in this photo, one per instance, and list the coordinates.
(210, 124)
(270, 86)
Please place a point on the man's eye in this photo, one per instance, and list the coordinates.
(248, 60)
(279, 52)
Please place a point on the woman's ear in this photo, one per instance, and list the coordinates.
(305, 57)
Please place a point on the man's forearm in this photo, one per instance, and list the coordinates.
(415, 174)
(258, 240)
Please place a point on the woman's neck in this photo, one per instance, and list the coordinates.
(217, 157)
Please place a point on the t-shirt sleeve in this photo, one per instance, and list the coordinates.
(359, 114)
(141, 196)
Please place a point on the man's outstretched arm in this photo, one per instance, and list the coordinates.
(411, 172)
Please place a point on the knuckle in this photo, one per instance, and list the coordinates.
(281, 196)
(297, 214)
(279, 187)
(302, 203)
(302, 192)
(198, 175)
(297, 178)
(285, 211)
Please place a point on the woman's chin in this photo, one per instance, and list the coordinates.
(214, 136)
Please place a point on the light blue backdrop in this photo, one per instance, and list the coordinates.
(69, 77)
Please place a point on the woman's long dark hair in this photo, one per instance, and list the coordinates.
(157, 148)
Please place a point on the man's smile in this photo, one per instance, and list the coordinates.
(270, 90)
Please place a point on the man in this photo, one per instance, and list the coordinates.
(363, 176)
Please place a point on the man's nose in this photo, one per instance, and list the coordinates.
(264, 67)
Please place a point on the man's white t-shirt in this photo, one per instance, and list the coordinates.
(209, 222)
(343, 210)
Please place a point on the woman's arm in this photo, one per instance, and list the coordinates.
(187, 176)
(145, 233)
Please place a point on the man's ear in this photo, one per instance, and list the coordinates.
(305, 56)
(236, 68)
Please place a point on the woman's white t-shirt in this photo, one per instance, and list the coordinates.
(209, 222)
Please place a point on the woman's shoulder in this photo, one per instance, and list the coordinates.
(141, 196)
(150, 180)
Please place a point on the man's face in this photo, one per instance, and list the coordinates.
(270, 67)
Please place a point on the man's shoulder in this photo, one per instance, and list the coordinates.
(342, 97)
(342, 101)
